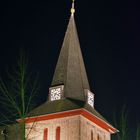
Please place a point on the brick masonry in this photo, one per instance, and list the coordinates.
(71, 128)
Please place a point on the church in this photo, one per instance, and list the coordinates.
(69, 112)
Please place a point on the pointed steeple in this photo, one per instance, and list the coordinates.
(70, 70)
(69, 94)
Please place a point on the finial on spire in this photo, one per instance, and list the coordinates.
(72, 8)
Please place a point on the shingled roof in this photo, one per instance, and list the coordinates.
(63, 105)
(70, 70)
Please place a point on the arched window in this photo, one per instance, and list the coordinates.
(91, 135)
(45, 134)
(98, 137)
(58, 133)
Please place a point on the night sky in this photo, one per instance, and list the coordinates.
(109, 33)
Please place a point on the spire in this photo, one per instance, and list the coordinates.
(70, 70)
(72, 8)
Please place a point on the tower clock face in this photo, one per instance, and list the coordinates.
(90, 98)
(56, 94)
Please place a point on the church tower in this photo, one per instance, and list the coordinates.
(69, 112)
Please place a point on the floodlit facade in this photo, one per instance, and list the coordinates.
(72, 125)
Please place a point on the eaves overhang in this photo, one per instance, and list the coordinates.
(83, 112)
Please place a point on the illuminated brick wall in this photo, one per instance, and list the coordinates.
(90, 131)
(70, 128)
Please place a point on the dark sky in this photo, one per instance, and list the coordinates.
(109, 33)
